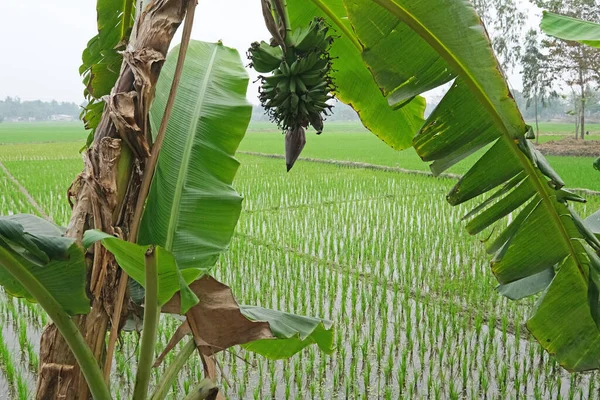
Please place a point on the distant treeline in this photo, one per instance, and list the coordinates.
(563, 107)
(560, 108)
(13, 109)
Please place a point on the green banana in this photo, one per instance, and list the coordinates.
(297, 85)
(265, 58)
(285, 68)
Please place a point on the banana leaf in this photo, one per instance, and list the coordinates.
(292, 333)
(39, 251)
(354, 83)
(572, 29)
(101, 59)
(132, 258)
(546, 247)
(218, 323)
(192, 209)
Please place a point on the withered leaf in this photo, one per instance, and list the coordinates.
(216, 321)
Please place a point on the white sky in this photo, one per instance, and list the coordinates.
(41, 42)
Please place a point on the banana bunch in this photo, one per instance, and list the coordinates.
(296, 85)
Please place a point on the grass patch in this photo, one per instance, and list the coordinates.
(42, 132)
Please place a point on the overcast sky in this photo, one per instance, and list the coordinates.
(42, 40)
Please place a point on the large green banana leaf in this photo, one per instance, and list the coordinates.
(546, 243)
(192, 209)
(573, 29)
(101, 59)
(354, 83)
(38, 250)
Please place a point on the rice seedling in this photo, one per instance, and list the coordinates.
(379, 253)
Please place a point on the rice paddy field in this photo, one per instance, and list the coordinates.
(380, 253)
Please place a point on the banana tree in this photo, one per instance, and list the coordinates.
(403, 48)
(152, 211)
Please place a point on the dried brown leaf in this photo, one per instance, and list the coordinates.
(216, 321)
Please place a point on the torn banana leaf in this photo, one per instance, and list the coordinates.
(354, 84)
(292, 332)
(102, 58)
(217, 323)
(546, 247)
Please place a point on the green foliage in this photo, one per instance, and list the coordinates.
(478, 111)
(192, 209)
(293, 333)
(131, 258)
(572, 63)
(387, 221)
(38, 110)
(593, 223)
(102, 58)
(45, 256)
(354, 84)
(567, 28)
(537, 80)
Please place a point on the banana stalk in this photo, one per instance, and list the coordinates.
(296, 86)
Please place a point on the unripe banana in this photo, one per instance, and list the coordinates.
(295, 67)
(285, 68)
(265, 58)
(300, 86)
(297, 89)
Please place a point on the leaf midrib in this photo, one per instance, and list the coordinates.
(349, 34)
(187, 153)
(409, 19)
(126, 18)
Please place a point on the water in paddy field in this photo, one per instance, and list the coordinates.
(381, 254)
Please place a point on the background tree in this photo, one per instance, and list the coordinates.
(504, 20)
(572, 63)
(537, 82)
(14, 108)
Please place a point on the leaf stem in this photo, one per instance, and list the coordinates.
(151, 318)
(83, 354)
(147, 181)
(286, 22)
(165, 383)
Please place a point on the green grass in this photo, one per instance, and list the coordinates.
(566, 128)
(558, 136)
(347, 141)
(382, 254)
(337, 143)
(42, 132)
